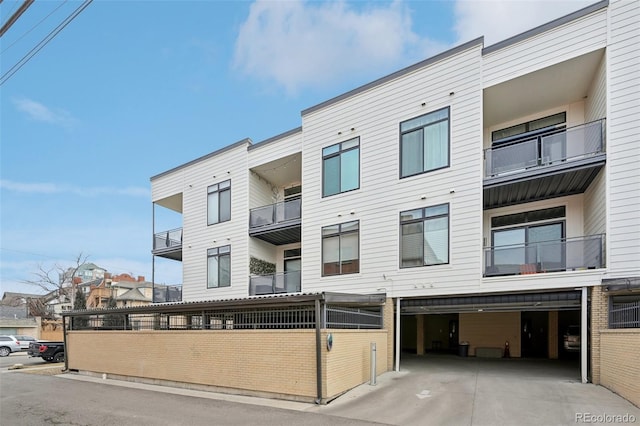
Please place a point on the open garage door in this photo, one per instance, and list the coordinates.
(520, 325)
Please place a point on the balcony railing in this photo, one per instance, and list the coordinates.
(281, 212)
(283, 282)
(168, 239)
(544, 147)
(567, 254)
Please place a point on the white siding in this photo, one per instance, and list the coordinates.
(167, 185)
(559, 44)
(262, 250)
(375, 116)
(623, 149)
(261, 192)
(198, 236)
(596, 104)
(595, 206)
(260, 154)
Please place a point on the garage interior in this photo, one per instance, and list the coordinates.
(531, 325)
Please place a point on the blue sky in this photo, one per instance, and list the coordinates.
(130, 89)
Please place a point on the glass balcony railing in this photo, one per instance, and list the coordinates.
(567, 254)
(283, 282)
(281, 212)
(168, 239)
(544, 147)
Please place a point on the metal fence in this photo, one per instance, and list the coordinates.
(566, 254)
(624, 314)
(290, 317)
(275, 213)
(283, 282)
(167, 239)
(544, 147)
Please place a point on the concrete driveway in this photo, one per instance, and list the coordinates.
(449, 390)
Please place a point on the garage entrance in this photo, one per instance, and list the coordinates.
(522, 325)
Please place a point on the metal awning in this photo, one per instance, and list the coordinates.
(565, 300)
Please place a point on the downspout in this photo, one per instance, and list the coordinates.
(64, 338)
(318, 353)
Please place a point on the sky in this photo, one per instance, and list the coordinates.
(129, 89)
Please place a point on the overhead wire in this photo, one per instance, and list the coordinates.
(34, 27)
(44, 42)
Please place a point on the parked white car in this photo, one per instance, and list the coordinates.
(9, 344)
(24, 341)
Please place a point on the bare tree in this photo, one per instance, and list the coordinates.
(58, 282)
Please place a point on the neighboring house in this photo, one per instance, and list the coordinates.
(125, 289)
(17, 316)
(85, 272)
(488, 191)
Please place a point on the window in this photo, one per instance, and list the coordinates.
(219, 267)
(341, 167)
(424, 143)
(340, 249)
(219, 202)
(425, 236)
(534, 237)
(529, 126)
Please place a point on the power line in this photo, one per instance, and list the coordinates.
(13, 18)
(34, 27)
(44, 42)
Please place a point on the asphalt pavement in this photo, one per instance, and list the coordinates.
(429, 390)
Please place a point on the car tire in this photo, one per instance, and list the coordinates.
(4, 351)
(59, 357)
(48, 359)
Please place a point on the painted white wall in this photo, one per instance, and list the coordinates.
(559, 44)
(623, 149)
(198, 236)
(375, 116)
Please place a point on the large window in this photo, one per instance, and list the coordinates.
(219, 202)
(340, 249)
(533, 238)
(425, 236)
(424, 143)
(529, 126)
(341, 167)
(219, 267)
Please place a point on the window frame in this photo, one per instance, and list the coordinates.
(339, 155)
(413, 129)
(218, 191)
(527, 127)
(422, 220)
(339, 234)
(219, 252)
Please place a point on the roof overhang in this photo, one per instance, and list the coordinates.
(346, 299)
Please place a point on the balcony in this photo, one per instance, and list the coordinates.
(283, 282)
(168, 244)
(278, 223)
(566, 254)
(543, 164)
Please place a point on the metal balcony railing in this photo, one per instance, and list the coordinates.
(168, 239)
(544, 147)
(566, 254)
(283, 211)
(283, 282)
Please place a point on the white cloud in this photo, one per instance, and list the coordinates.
(499, 19)
(300, 43)
(53, 188)
(40, 112)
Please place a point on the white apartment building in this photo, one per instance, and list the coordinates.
(487, 190)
